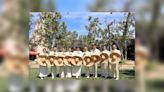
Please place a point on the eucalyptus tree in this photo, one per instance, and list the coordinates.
(51, 27)
(93, 29)
(128, 31)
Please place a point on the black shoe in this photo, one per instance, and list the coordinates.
(49, 75)
(38, 77)
(57, 75)
(98, 75)
(83, 75)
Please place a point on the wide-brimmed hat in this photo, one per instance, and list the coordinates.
(50, 60)
(42, 59)
(16, 66)
(88, 60)
(59, 60)
(114, 56)
(68, 57)
(77, 59)
(104, 56)
(96, 58)
(68, 60)
(141, 56)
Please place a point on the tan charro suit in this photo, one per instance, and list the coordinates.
(105, 65)
(69, 68)
(53, 68)
(87, 53)
(115, 66)
(76, 70)
(95, 52)
(43, 70)
(62, 68)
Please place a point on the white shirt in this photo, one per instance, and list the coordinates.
(96, 52)
(106, 51)
(78, 53)
(52, 53)
(87, 53)
(69, 53)
(61, 54)
(117, 51)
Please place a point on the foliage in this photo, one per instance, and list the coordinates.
(54, 33)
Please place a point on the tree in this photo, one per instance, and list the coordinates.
(93, 29)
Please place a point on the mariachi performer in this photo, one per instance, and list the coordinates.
(41, 60)
(16, 63)
(88, 62)
(77, 62)
(96, 58)
(114, 59)
(50, 62)
(60, 62)
(68, 63)
(142, 56)
(104, 62)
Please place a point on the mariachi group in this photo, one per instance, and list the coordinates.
(68, 63)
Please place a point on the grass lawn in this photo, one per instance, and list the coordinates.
(124, 75)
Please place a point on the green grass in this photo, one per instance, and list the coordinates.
(151, 86)
(124, 75)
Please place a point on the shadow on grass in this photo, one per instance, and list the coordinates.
(128, 72)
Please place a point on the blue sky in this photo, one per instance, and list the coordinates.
(82, 5)
(78, 20)
(72, 5)
(75, 14)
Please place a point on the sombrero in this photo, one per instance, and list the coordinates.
(59, 61)
(104, 56)
(114, 56)
(16, 65)
(68, 60)
(89, 61)
(77, 60)
(42, 60)
(50, 60)
(96, 58)
(141, 56)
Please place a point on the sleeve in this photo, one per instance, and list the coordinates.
(74, 53)
(81, 54)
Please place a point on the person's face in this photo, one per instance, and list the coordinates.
(85, 49)
(69, 49)
(54, 49)
(104, 48)
(62, 49)
(78, 49)
(94, 46)
(114, 47)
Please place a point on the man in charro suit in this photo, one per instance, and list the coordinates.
(62, 68)
(115, 58)
(87, 61)
(104, 63)
(95, 51)
(69, 68)
(76, 70)
(53, 52)
(43, 69)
